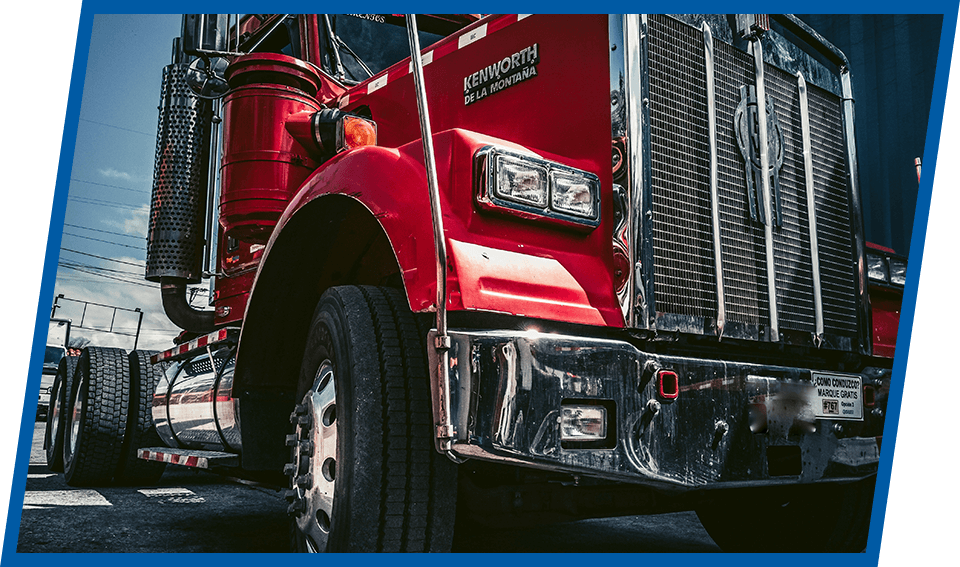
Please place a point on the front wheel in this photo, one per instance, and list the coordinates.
(823, 518)
(364, 473)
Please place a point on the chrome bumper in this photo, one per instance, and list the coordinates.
(731, 424)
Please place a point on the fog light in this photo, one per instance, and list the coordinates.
(583, 423)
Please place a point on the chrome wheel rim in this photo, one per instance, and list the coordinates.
(54, 416)
(75, 415)
(315, 460)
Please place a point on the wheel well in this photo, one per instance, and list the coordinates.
(333, 240)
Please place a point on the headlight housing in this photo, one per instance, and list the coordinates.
(527, 186)
(885, 268)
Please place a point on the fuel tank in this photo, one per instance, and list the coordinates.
(193, 407)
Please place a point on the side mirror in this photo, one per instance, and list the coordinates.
(204, 32)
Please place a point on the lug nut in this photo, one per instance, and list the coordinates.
(292, 440)
(305, 481)
(306, 448)
(297, 507)
(837, 429)
(298, 410)
(289, 495)
(305, 420)
(290, 469)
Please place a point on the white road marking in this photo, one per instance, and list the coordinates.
(48, 475)
(175, 495)
(64, 498)
(153, 492)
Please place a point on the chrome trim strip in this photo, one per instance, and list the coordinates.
(616, 26)
(764, 169)
(856, 211)
(811, 207)
(632, 76)
(714, 196)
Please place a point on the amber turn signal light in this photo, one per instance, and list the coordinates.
(354, 132)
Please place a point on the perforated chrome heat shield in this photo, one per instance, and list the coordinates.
(175, 237)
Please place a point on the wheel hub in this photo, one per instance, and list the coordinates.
(54, 413)
(75, 419)
(313, 467)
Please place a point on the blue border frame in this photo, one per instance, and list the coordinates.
(946, 7)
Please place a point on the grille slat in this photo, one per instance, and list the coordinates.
(684, 274)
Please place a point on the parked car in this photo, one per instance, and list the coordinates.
(51, 360)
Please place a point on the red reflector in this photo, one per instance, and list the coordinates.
(668, 384)
(869, 396)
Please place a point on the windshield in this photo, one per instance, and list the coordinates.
(52, 355)
(368, 43)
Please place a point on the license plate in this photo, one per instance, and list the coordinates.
(837, 396)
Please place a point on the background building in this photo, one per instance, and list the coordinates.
(893, 59)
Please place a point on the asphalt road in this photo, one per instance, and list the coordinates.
(192, 511)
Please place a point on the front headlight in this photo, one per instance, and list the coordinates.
(886, 268)
(573, 194)
(521, 182)
(534, 188)
(898, 271)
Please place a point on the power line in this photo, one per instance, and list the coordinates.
(104, 231)
(139, 265)
(109, 277)
(101, 240)
(111, 186)
(72, 263)
(105, 203)
(118, 127)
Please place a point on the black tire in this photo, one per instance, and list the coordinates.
(93, 439)
(824, 518)
(392, 492)
(57, 413)
(140, 431)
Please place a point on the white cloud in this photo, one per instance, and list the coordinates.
(115, 174)
(137, 224)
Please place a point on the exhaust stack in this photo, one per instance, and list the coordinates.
(175, 239)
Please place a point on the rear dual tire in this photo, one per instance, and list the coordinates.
(60, 392)
(108, 419)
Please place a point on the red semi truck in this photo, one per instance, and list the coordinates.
(550, 270)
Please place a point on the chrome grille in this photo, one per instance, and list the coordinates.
(683, 271)
(682, 243)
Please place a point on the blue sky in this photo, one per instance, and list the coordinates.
(110, 183)
(107, 155)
